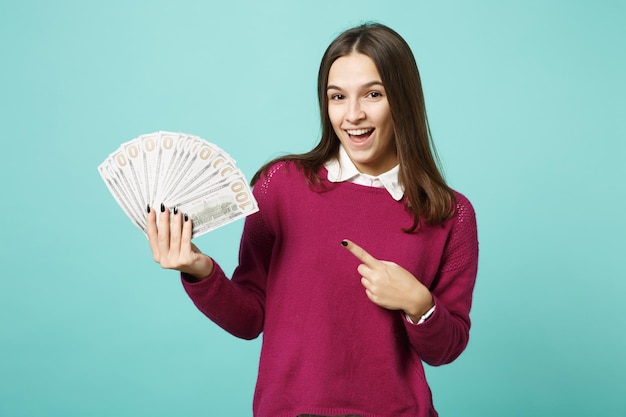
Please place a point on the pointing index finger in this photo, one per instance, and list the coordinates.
(360, 253)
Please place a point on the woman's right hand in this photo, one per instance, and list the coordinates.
(171, 245)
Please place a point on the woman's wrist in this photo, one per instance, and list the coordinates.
(201, 271)
(421, 307)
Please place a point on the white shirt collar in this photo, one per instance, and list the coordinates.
(343, 169)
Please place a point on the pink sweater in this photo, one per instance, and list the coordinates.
(327, 349)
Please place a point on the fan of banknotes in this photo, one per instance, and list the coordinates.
(178, 170)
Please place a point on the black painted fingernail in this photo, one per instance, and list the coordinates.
(186, 217)
(162, 207)
(148, 208)
(175, 211)
(344, 242)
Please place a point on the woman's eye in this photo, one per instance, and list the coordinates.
(336, 97)
(374, 94)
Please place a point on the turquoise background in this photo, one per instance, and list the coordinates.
(527, 106)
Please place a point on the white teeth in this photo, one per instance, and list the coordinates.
(358, 132)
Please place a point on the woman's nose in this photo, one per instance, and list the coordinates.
(355, 112)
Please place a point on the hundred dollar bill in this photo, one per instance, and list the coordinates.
(226, 202)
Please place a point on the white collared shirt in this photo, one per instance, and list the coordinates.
(343, 169)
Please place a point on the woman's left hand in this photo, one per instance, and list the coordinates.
(389, 285)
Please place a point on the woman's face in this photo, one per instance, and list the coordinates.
(359, 113)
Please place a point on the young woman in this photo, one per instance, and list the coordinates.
(361, 261)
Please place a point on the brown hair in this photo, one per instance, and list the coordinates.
(425, 190)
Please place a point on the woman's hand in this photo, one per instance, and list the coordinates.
(171, 245)
(389, 285)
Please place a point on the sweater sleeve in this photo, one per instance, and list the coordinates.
(444, 336)
(238, 305)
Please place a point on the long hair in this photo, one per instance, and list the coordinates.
(426, 193)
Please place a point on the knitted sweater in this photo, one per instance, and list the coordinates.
(327, 349)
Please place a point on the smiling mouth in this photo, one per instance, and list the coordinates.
(359, 133)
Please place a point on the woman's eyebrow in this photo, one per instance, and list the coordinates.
(366, 85)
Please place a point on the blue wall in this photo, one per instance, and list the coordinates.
(526, 103)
